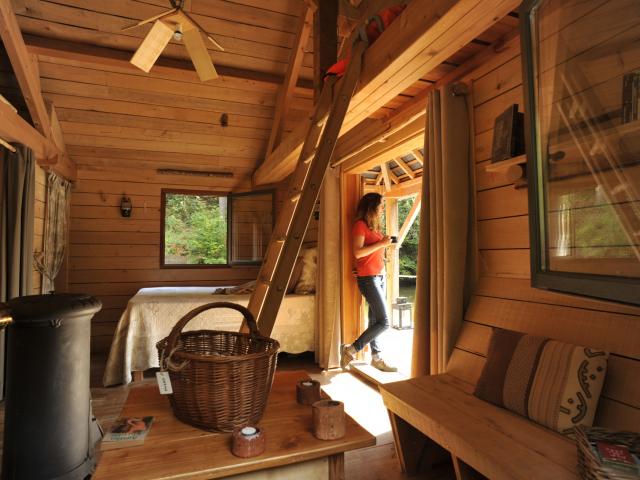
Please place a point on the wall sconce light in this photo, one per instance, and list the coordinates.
(125, 207)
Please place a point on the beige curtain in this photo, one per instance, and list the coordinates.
(49, 261)
(328, 281)
(16, 241)
(446, 258)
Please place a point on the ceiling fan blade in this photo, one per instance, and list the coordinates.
(152, 46)
(197, 25)
(150, 19)
(199, 54)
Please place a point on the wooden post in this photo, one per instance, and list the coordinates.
(351, 298)
(393, 255)
(325, 40)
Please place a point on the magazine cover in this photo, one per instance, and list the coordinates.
(127, 432)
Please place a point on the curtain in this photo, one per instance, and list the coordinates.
(16, 242)
(446, 269)
(328, 281)
(49, 261)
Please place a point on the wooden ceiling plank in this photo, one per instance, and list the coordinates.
(285, 94)
(404, 53)
(418, 154)
(405, 168)
(111, 57)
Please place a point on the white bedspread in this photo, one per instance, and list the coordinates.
(152, 313)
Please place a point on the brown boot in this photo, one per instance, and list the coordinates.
(347, 354)
(380, 364)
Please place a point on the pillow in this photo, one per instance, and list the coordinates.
(237, 290)
(307, 282)
(295, 275)
(555, 384)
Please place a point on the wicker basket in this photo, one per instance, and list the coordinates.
(588, 463)
(220, 380)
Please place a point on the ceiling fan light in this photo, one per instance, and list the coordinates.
(177, 35)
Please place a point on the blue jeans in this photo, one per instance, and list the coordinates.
(373, 290)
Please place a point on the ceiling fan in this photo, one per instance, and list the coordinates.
(179, 25)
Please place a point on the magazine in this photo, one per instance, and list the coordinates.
(127, 432)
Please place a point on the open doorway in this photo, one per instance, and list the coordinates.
(399, 182)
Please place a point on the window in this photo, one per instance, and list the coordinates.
(583, 150)
(205, 229)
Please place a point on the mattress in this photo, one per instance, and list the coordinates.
(152, 312)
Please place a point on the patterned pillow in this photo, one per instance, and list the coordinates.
(552, 383)
(307, 282)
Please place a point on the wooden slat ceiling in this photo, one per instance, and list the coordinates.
(115, 115)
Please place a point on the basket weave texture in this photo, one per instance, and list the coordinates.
(588, 463)
(220, 380)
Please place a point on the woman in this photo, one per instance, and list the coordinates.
(368, 247)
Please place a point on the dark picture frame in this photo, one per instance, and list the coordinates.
(619, 289)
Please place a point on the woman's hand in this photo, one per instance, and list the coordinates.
(386, 241)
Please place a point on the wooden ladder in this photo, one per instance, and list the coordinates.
(592, 142)
(304, 188)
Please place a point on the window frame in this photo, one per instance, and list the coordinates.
(619, 289)
(270, 191)
(229, 196)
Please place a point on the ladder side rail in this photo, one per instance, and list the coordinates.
(266, 312)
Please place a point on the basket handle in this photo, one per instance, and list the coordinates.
(177, 328)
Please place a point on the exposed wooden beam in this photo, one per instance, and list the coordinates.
(405, 168)
(401, 142)
(426, 34)
(408, 222)
(405, 189)
(285, 94)
(370, 132)
(49, 48)
(418, 154)
(28, 79)
(386, 174)
(325, 41)
(62, 165)
(13, 128)
(379, 178)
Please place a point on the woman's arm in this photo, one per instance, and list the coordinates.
(359, 250)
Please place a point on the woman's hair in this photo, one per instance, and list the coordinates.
(366, 211)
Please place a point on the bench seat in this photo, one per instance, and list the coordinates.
(493, 441)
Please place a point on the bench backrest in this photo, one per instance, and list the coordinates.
(578, 321)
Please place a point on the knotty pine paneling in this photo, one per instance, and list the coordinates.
(112, 257)
(503, 242)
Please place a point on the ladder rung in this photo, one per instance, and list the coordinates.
(280, 239)
(295, 197)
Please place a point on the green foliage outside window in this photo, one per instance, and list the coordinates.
(409, 249)
(195, 231)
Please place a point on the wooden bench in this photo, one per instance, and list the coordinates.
(432, 413)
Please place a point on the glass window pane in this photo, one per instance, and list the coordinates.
(588, 94)
(195, 229)
(252, 223)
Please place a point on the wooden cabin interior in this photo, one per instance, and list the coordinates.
(160, 155)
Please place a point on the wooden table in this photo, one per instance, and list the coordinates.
(175, 450)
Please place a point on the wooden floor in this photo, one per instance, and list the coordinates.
(362, 402)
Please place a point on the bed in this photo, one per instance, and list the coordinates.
(152, 312)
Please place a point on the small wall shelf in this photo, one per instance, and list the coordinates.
(504, 165)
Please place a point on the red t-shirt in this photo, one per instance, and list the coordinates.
(372, 264)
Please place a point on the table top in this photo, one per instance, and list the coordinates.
(174, 449)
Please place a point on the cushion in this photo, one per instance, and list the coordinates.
(552, 383)
(295, 275)
(307, 282)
